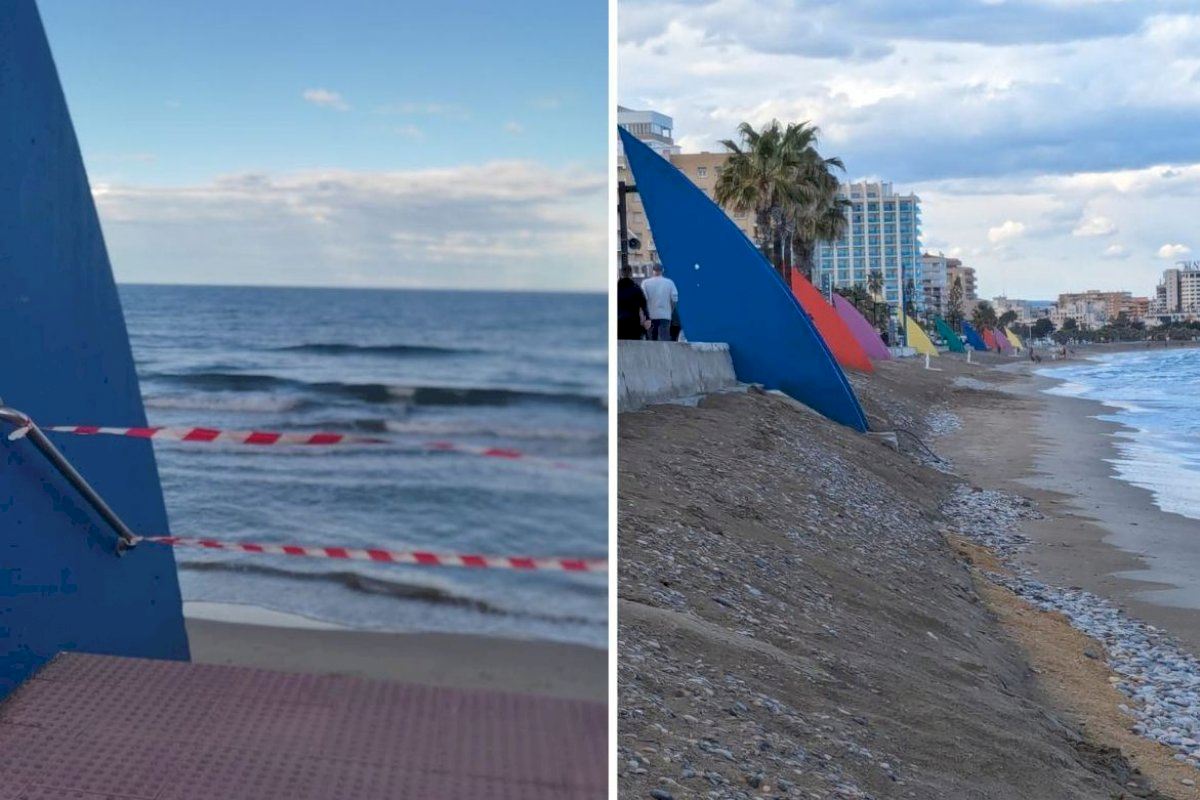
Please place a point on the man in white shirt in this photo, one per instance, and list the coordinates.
(661, 297)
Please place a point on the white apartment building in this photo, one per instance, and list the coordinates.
(883, 234)
(1027, 311)
(1087, 313)
(935, 282)
(651, 127)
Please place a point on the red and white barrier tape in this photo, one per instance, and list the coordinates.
(261, 438)
(215, 435)
(416, 557)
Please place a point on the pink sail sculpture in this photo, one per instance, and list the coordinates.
(1002, 343)
(861, 329)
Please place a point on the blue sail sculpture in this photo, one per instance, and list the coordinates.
(729, 293)
(67, 360)
(972, 336)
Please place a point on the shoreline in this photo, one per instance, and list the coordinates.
(463, 661)
(1098, 532)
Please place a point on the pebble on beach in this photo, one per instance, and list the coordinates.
(1152, 669)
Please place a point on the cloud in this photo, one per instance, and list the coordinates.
(326, 98)
(1169, 251)
(1115, 251)
(1012, 110)
(931, 101)
(1008, 230)
(498, 225)
(410, 131)
(835, 29)
(1095, 226)
(514, 128)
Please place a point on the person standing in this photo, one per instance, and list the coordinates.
(661, 298)
(632, 314)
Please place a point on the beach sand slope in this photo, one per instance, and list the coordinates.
(794, 622)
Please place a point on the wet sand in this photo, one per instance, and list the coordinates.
(1099, 533)
(454, 660)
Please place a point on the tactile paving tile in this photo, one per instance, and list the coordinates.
(91, 727)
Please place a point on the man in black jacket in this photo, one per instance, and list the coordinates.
(631, 307)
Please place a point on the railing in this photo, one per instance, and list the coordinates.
(25, 428)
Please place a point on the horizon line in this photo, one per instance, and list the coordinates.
(478, 290)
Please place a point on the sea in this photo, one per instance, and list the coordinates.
(523, 371)
(1155, 396)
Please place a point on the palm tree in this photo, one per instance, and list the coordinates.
(875, 287)
(984, 316)
(954, 306)
(875, 283)
(777, 174)
(823, 217)
(910, 302)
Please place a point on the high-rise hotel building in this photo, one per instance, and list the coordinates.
(884, 234)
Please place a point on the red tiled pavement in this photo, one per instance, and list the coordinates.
(95, 727)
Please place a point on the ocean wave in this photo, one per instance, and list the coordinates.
(456, 396)
(377, 393)
(253, 402)
(395, 350)
(466, 428)
(368, 584)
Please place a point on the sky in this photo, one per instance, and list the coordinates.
(453, 144)
(1055, 144)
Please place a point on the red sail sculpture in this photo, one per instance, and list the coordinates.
(842, 342)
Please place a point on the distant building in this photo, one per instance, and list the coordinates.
(651, 127)
(1115, 303)
(1087, 312)
(655, 130)
(702, 169)
(1027, 311)
(956, 271)
(1139, 308)
(883, 234)
(935, 283)
(1179, 290)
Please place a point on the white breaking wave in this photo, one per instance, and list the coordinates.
(1153, 395)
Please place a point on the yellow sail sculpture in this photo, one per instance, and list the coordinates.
(1014, 340)
(918, 339)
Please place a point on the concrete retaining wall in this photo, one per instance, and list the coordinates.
(654, 372)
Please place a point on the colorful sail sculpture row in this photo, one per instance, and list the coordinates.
(1014, 340)
(870, 341)
(842, 342)
(953, 342)
(973, 338)
(728, 292)
(785, 337)
(917, 338)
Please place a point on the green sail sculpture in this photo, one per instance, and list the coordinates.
(953, 341)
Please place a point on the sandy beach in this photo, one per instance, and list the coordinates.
(808, 611)
(1099, 532)
(440, 659)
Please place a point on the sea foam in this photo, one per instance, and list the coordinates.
(1153, 396)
